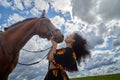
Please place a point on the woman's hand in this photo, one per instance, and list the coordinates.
(53, 42)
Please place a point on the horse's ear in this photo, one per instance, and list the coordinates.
(43, 14)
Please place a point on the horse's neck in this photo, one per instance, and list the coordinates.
(16, 37)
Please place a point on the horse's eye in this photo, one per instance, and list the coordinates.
(43, 21)
(49, 21)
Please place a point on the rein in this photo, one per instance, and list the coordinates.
(36, 51)
(36, 61)
(12, 60)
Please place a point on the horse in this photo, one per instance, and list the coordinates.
(13, 39)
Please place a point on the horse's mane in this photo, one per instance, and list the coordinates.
(18, 23)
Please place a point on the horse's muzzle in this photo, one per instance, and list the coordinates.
(58, 39)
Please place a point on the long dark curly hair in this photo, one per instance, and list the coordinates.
(80, 48)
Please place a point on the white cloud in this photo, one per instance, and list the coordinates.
(116, 43)
(18, 4)
(58, 21)
(101, 29)
(35, 6)
(92, 11)
(15, 4)
(114, 28)
(38, 5)
(14, 18)
(4, 3)
(102, 62)
(98, 61)
(26, 72)
(71, 27)
(94, 35)
(103, 70)
(109, 9)
(34, 11)
(28, 3)
(62, 5)
(41, 5)
(83, 9)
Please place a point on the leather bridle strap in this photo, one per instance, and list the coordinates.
(50, 30)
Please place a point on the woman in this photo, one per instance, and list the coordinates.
(66, 58)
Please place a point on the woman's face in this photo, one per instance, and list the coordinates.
(70, 38)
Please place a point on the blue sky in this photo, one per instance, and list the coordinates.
(95, 20)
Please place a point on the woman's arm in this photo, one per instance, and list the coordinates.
(53, 50)
(51, 53)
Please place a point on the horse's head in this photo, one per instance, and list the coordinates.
(47, 29)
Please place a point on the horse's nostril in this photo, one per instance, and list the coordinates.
(63, 36)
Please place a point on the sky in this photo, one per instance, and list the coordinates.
(96, 20)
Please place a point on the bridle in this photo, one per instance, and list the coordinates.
(50, 31)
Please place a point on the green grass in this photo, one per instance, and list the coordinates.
(103, 77)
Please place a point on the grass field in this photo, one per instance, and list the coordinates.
(103, 77)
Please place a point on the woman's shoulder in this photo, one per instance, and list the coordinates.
(63, 50)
